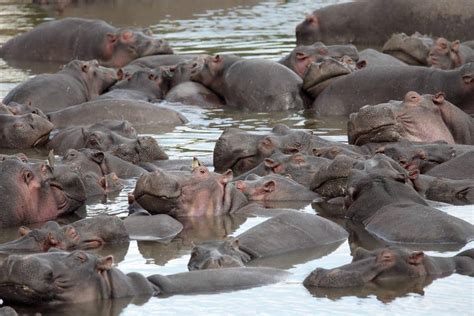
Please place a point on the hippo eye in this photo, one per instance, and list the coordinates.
(81, 257)
(27, 176)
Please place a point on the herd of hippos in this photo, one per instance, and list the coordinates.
(410, 149)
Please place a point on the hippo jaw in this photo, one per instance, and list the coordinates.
(23, 294)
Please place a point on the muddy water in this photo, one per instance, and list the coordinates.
(248, 28)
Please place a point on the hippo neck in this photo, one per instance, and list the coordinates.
(439, 265)
(116, 284)
(76, 75)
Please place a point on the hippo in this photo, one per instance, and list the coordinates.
(390, 122)
(184, 193)
(223, 75)
(449, 55)
(457, 192)
(156, 61)
(349, 93)
(412, 50)
(242, 151)
(31, 193)
(140, 114)
(78, 82)
(275, 236)
(373, 22)
(300, 57)
(274, 187)
(384, 266)
(100, 163)
(93, 233)
(300, 168)
(23, 131)
(94, 278)
(71, 38)
(144, 85)
(391, 210)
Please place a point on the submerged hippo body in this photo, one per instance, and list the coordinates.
(72, 38)
(273, 237)
(386, 265)
(93, 278)
(390, 122)
(270, 86)
(139, 113)
(78, 82)
(373, 22)
(380, 84)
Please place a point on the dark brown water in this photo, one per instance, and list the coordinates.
(252, 29)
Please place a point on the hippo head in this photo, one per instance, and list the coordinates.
(124, 128)
(457, 192)
(126, 45)
(181, 72)
(143, 149)
(216, 255)
(308, 31)
(143, 80)
(304, 55)
(55, 277)
(20, 109)
(183, 193)
(35, 194)
(444, 54)
(209, 70)
(318, 75)
(40, 240)
(413, 50)
(95, 77)
(379, 266)
(390, 122)
(23, 131)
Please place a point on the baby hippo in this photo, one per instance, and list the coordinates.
(389, 265)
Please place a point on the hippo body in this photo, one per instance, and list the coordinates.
(139, 113)
(270, 86)
(458, 168)
(80, 269)
(373, 22)
(77, 82)
(377, 59)
(284, 233)
(84, 39)
(380, 84)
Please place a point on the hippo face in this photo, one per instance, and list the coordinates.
(308, 31)
(23, 131)
(33, 193)
(143, 149)
(303, 55)
(126, 45)
(54, 277)
(96, 77)
(206, 68)
(413, 50)
(392, 121)
(41, 240)
(379, 266)
(195, 193)
(444, 54)
(216, 255)
(143, 80)
(176, 74)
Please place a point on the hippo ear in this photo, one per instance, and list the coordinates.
(98, 156)
(85, 67)
(226, 177)
(23, 230)
(217, 58)
(467, 79)
(234, 242)
(70, 231)
(312, 19)
(416, 257)
(120, 74)
(421, 154)
(52, 240)
(269, 186)
(455, 46)
(301, 56)
(240, 185)
(127, 35)
(317, 152)
(438, 98)
(105, 263)
(111, 38)
(361, 64)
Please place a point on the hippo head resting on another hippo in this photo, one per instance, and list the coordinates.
(426, 118)
(389, 265)
(183, 193)
(23, 131)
